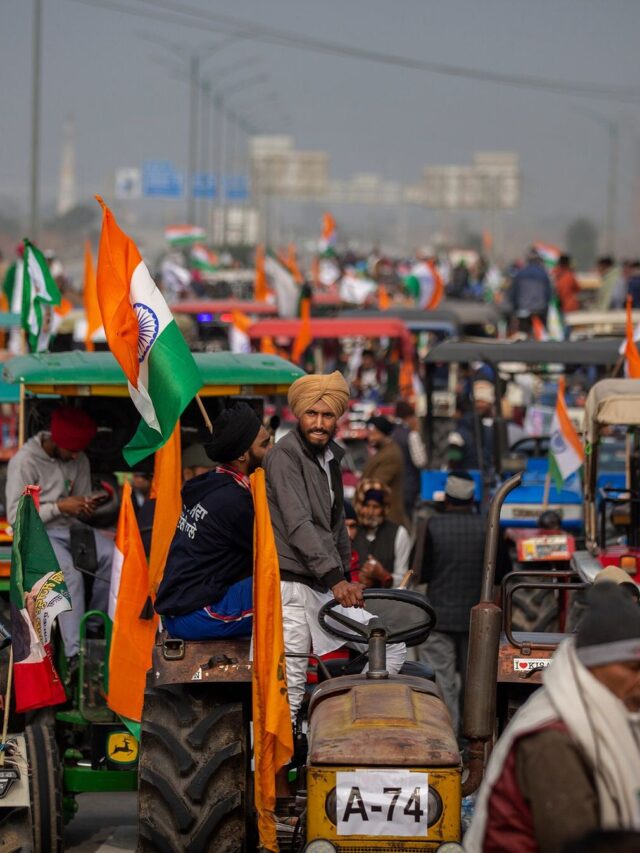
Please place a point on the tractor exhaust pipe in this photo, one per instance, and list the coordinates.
(478, 722)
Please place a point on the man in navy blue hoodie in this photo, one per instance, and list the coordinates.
(206, 590)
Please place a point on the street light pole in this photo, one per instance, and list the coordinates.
(612, 186)
(34, 213)
(194, 91)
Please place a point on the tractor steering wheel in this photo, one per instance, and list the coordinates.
(410, 621)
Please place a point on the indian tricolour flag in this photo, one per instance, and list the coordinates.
(566, 453)
(548, 253)
(40, 295)
(184, 235)
(143, 336)
(203, 259)
(38, 595)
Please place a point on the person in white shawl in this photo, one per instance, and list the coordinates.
(569, 761)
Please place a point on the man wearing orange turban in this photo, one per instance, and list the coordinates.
(306, 502)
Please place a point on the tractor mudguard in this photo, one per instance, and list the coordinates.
(177, 661)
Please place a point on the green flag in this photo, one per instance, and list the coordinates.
(39, 295)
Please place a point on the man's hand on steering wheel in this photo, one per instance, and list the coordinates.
(348, 594)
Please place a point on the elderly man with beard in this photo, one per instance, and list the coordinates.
(568, 763)
(304, 489)
(383, 547)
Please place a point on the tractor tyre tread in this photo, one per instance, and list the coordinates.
(46, 788)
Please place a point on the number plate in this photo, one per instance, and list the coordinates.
(382, 802)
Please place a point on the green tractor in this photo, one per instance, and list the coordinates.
(83, 746)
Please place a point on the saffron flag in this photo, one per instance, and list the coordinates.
(38, 594)
(292, 263)
(631, 354)
(184, 235)
(91, 307)
(539, 329)
(548, 253)
(132, 637)
(39, 296)
(304, 337)
(425, 285)
(384, 302)
(566, 454)
(329, 233)
(166, 489)
(144, 337)
(261, 288)
(272, 732)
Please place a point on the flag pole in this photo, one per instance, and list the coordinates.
(7, 704)
(547, 487)
(203, 411)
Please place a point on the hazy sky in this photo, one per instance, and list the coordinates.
(369, 117)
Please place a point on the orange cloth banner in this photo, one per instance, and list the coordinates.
(304, 337)
(384, 302)
(132, 638)
(166, 489)
(272, 731)
(438, 287)
(631, 350)
(261, 287)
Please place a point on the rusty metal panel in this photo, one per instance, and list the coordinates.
(381, 723)
(514, 663)
(200, 661)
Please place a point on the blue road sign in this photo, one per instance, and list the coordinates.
(205, 185)
(236, 187)
(160, 179)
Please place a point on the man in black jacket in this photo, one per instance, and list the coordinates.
(206, 590)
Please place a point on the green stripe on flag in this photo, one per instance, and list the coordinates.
(174, 380)
(554, 470)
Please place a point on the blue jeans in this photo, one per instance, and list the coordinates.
(231, 616)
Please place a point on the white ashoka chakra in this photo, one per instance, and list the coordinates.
(148, 326)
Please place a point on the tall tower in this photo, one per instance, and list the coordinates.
(67, 184)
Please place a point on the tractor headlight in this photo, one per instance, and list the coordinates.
(450, 847)
(434, 805)
(320, 845)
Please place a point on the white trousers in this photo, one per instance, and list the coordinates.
(302, 632)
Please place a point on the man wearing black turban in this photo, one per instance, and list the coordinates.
(206, 590)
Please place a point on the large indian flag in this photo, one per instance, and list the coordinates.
(566, 454)
(143, 336)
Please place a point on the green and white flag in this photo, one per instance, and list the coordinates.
(39, 296)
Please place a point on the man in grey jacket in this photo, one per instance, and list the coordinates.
(304, 489)
(55, 461)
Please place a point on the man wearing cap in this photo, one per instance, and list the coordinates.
(452, 567)
(406, 434)
(386, 464)
(56, 462)
(304, 489)
(196, 461)
(206, 589)
(569, 761)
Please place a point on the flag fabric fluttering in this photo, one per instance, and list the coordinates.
(426, 285)
(384, 301)
(566, 453)
(132, 636)
(555, 323)
(40, 295)
(292, 264)
(144, 338)
(632, 357)
(539, 329)
(184, 235)
(304, 337)
(548, 253)
(166, 489)
(91, 307)
(286, 290)
(329, 233)
(203, 259)
(272, 731)
(261, 287)
(38, 594)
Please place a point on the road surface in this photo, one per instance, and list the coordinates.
(104, 823)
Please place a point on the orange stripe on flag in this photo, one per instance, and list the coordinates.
(272, 732)
(384, 302)
(631, 350)
(438, 287)
(132, 638)
(566, 427)
(292, 264)
(91, 307)
(241, 321)
(304, 337)
(117, 260)
(166, 489)
(267, 345)
(261, 288)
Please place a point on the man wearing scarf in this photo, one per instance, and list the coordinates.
(206, 589)
(304, 489)
(383, 547)
(569, 761)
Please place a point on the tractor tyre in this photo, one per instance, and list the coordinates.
(194, 771)
(45, 776)
(15, 831)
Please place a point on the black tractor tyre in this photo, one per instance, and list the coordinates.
(45, 779)
(194, 771)
(15, 831)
